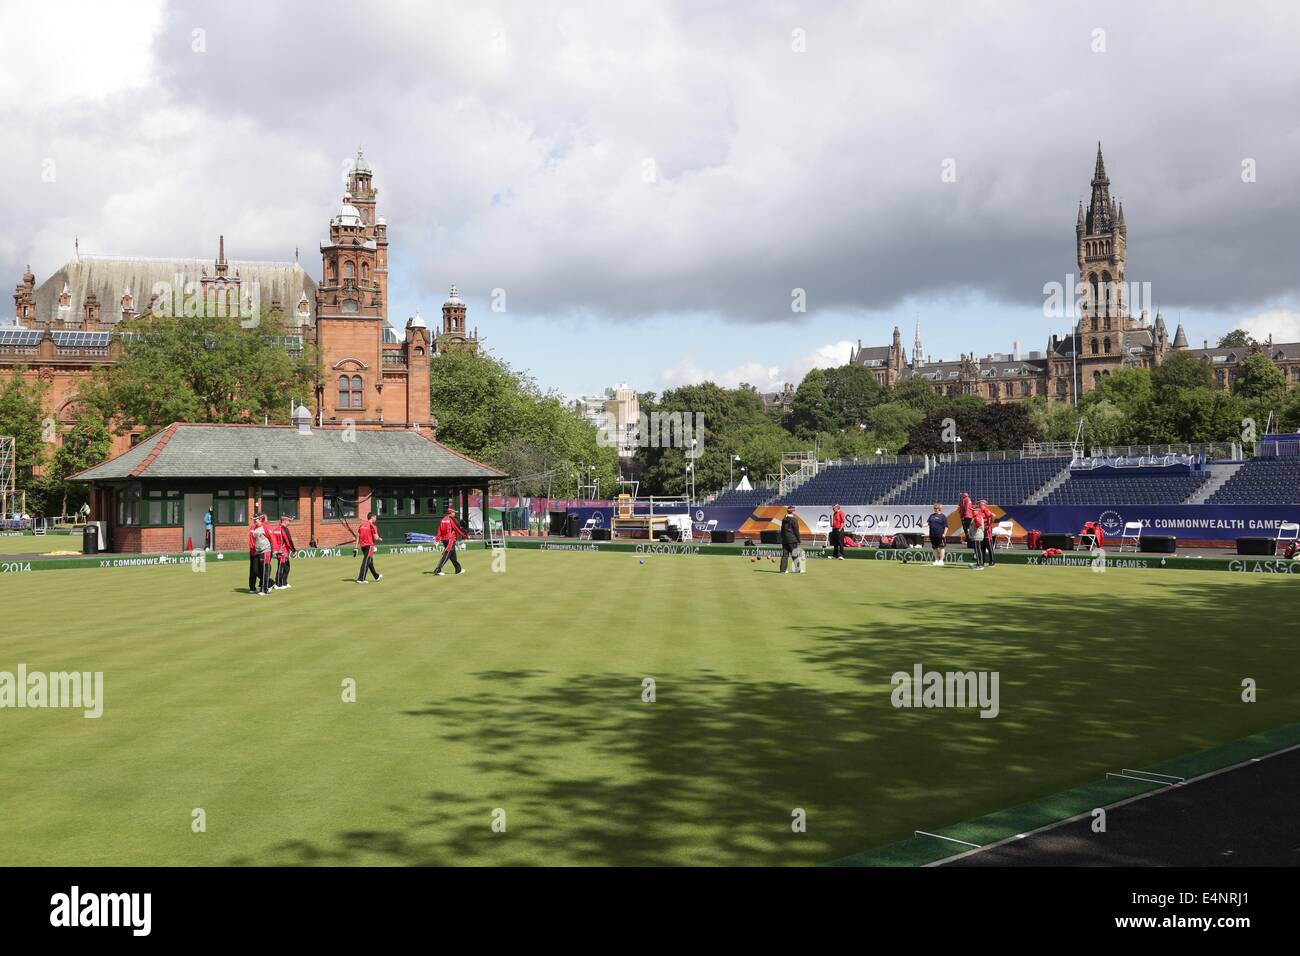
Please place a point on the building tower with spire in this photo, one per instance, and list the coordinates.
(917, 354)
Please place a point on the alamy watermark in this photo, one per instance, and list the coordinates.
(75, 690)
(959, 689)
(657, 430)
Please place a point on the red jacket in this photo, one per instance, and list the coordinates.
(276, 534)
(837, 520)
(965, 508)
(449, 531)
(988, 517)
(366, 535)
(251, 548)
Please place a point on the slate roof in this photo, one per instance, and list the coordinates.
(279, 451)
(109, 276)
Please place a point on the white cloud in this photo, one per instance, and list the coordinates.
(766, 378)
(1282, 324)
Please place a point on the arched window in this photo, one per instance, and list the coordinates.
(1094, 346)
(1107, 345)
(365, 270)
(349, 270)
(350, 391)
(1096, 379)
(334, 269)
(993, 390)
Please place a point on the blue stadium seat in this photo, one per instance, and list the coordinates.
(1261, 481)
(1000, 482)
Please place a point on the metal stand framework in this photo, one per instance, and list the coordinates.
(8, 476)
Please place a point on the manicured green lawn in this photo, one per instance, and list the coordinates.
(523, 691)
(39, 543)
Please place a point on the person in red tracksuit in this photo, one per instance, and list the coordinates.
(276, 534)
(987, 512)
(367, 535)
(837, 532)
(284, 554)
(966, 511)
(254, 559)
(448, 532)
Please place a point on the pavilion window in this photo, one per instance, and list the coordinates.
(339, 501)
(162, 508)
(128, 505)
(280, 501)
(230, 506)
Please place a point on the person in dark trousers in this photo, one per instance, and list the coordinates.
(789, 537)
(367, 535)
(254, 567)
(448, 532)
(208, 541)
(978, 532)
(938, 525)
(285, 554)
(837, 533)
(988, 532)
(965, 510)
(262, 552)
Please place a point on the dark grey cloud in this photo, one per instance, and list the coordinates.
(512, 144)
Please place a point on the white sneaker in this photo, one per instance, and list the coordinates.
(461, 571)
(362, 581)
(380, 578)
(439, 574)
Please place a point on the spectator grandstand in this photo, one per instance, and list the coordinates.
(750, 498)
(1261, 481)
(1088, 489)
(1001, 482)
(850, 484)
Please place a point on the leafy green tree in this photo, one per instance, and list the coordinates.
(1128, 389)
(22, 404)
(1259, 378)
(200, 369)
(499, 416)
(1181, 370)
(851, 393)
(919, 395)
(1237, 339)
(84, 446)
(810, 411)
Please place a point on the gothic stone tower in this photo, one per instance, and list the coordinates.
(1102, 256)
(352, 307)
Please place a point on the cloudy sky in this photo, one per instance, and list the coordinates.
(649, 183)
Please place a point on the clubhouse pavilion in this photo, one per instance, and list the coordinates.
(153, 498)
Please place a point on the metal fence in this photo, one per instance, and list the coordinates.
(1213, 451)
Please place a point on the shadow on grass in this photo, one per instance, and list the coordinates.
(712, 770)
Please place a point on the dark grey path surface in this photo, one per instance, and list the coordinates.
(1249, 816)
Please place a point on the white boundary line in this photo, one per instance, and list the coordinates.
(1111, 806)
(940, 836)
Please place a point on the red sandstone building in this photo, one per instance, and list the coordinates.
(372, 375)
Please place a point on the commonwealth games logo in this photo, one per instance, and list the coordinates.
(1111, 522)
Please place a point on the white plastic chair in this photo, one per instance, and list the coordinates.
(586, 528)
(1003, 530)
(1288, 531)
(1132, 532)
(709, 528)
(823, 531)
